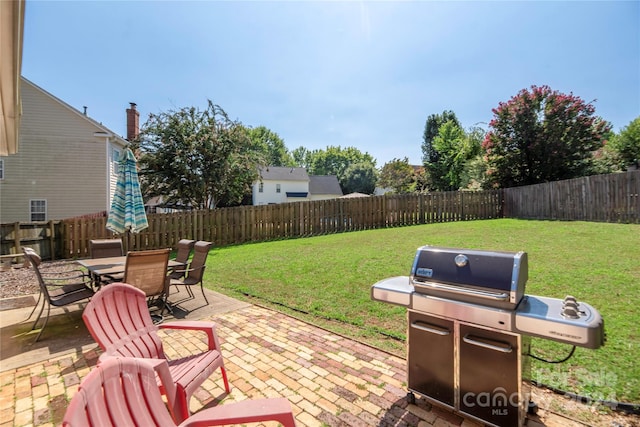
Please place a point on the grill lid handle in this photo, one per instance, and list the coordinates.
(502, 296)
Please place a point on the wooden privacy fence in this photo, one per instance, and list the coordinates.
(243, 224)
(44, 237)
(69, 238)
(603, 198)
(610, 198)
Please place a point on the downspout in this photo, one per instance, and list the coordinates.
(108, 174)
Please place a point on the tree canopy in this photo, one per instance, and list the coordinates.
(431, 129)
(197, 158)
(398, 175)
(449, 146)
(335, 160)
(542, 135)
(302, 157)
(271, 145)
(359, 178)
(451, 151)
(626, 145)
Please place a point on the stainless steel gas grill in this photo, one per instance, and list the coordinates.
(469, 322)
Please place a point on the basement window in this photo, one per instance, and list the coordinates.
(38, 210)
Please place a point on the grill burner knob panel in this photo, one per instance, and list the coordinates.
(565, 321)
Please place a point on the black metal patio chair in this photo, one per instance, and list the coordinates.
(56, 289)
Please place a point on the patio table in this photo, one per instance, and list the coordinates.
(114, 265)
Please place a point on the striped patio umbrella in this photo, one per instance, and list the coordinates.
(127, 207)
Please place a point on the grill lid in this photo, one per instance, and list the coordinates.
(486, 277)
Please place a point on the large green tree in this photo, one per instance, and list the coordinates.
(448, 144)
(398, 175)
(431, 129)
(473, 174)
(335, 160)
(197, 158)
(271, 145)
(626, 145)
(359, 178)
(453, 148)
(302, 157)
(542, 135)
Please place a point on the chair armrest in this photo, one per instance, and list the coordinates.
(187, 270)
(161, 368)
(67, 280)
(69, 274)
(245, 411)
(194, 325)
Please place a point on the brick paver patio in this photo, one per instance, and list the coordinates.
(329, 380)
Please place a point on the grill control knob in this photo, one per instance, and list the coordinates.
(570, 304)
(570, 312)
(570, 298)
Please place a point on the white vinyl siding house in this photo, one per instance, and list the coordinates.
(290, 184)
(65, 159)
(280, 185)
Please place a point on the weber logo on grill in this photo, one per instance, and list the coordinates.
(425, 272)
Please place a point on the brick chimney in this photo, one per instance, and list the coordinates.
(133, 122)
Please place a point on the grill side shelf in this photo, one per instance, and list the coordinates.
(394, 290)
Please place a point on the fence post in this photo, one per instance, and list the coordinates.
(16, 237)
(52, 246)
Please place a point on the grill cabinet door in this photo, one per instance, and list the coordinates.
(489, 380)
(431, 357)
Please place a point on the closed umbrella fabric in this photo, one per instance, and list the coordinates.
(127, 208)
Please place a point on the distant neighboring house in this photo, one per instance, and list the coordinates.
(157, 204)
(290, 184)
(322, 187)
(66, 165)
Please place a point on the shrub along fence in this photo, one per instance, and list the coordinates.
(610, 198)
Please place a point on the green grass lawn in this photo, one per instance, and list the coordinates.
(326, 280)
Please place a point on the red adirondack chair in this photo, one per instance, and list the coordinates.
(119, 320)
(123, 392)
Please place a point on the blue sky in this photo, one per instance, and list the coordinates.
(349, 74)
